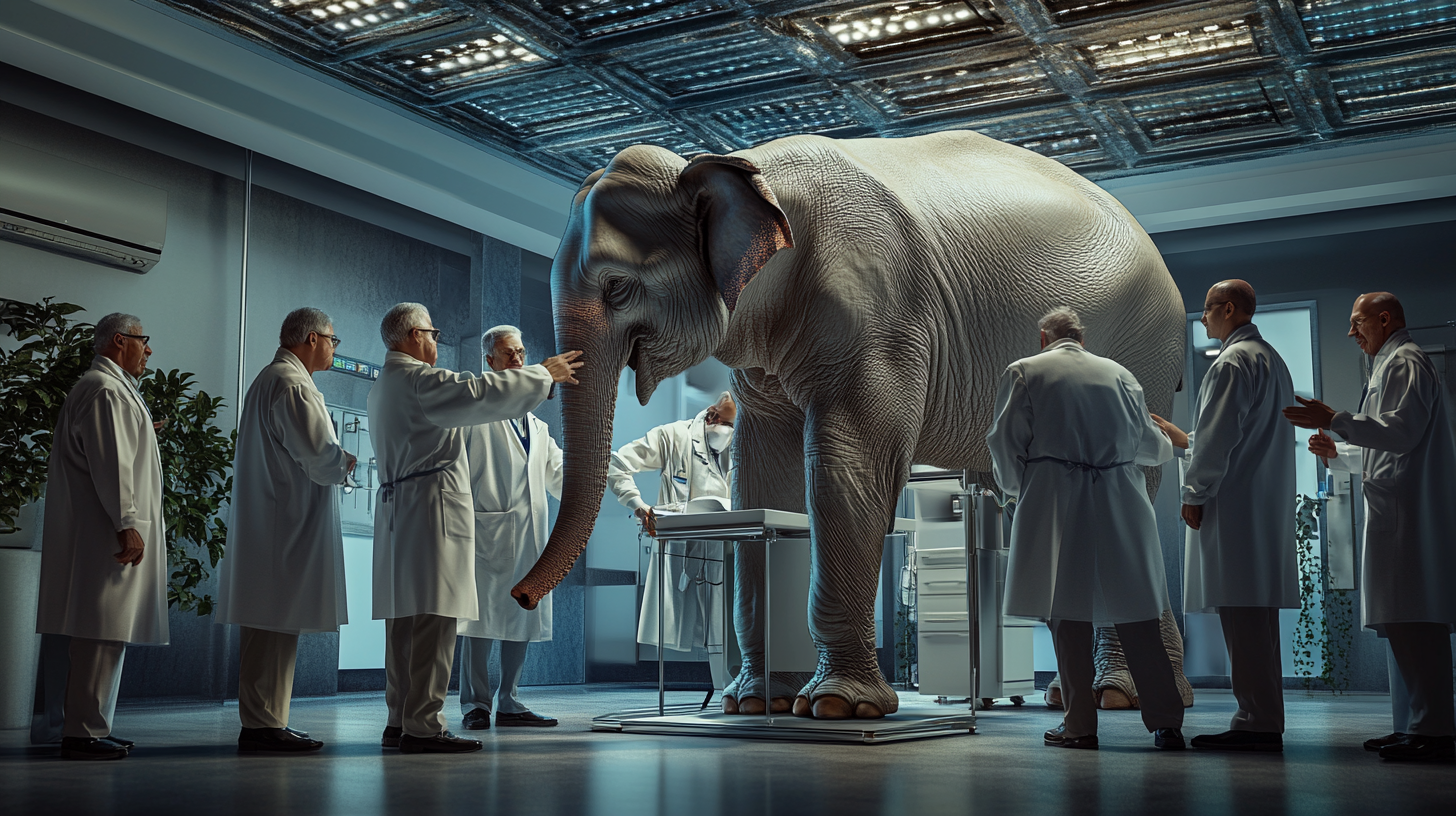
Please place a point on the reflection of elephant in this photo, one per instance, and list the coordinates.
(868, 294)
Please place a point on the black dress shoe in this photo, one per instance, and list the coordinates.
(91, 748)
(525, 719)
(255, 740)
(442, 743)
(1380, 742)
(125, 743)
(476, 719)
(295, 732)
(1057, 738)
(1169, 739)
(1241, 741)
(1421, 748)
(392, 733)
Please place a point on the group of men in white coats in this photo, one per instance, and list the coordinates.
(684, 597)
(1085, 548)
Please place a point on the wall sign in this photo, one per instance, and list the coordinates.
(357, 368)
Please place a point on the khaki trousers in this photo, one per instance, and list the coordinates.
(1147, 660)
(265, 677)
(1256, 668)
(1422, 652)
(418, 652)
(91, 686)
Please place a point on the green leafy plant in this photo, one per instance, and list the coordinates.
(35, 377)
(197, 461)
(1324, 626)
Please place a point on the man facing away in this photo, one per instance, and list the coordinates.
(1238, 482)
(694, 457)
(103, 573)
(513, 464)
(424, 526)
(1070, 428)
(283, 571)
(1399, 441)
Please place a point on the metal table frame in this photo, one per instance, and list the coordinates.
(768, 526)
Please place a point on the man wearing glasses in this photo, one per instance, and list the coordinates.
(424, 521)
(283, 572)
(513, 464)
(1399, 441)
(103, 578)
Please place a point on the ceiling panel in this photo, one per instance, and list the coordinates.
(1112, 87)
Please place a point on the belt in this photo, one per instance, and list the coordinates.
(386, 489)
(1095, 470)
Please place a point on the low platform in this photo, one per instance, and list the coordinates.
(917, 719)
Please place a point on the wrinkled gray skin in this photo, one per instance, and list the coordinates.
(917, 271)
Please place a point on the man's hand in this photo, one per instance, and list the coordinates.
(1323, 446)
(648, 519)
(1175, 435)
(1310, 413)
(563, 367)
(353, 460)
(1193, 515)
(131, 545)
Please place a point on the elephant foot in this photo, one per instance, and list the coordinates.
(745, 694)
(1173, 642)
(835, 696)
(1111, 699)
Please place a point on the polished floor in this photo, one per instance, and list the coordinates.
(185, 762)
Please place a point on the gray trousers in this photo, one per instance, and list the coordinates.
(418, 651)
(1147, 660)
(1256, 668)
(478, 685)
(1422, 654)
(265, 677)
(91, 686)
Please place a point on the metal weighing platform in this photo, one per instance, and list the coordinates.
(914, 720)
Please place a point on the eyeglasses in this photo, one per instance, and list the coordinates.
(145, 338)
(434, 333)
(1210, 307)
(332, 338)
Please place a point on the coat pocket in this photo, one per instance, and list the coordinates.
(495, 541)
(457, 513)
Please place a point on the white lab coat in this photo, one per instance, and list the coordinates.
(1240, 467)
(1084, 543)
(105, 476)
(424, 535)
(694, 579)
(1400, 443)
(509, 489)
(283, 569)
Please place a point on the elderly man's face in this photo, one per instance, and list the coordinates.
(507, 354)
(1216, 313)
(1370, 326)
(722, 412)
(132, 352)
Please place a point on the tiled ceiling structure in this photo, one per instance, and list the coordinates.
(1110, 87)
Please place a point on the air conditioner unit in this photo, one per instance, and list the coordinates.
(62, 206)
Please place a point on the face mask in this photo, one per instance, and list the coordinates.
(719, 436)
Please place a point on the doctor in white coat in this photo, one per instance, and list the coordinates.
(1238, 485)
(1399, 441)
(283, 572)
(424, 520)
(103, 573)
(1070, 428)
(694, 457)
(513, 465)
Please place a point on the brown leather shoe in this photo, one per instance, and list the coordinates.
(392, 733)
(476, 719)
(279, 740)
(1057, 738)
(442, 743)
(525, 719)
(1380, 742)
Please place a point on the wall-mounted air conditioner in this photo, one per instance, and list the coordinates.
(63, 206)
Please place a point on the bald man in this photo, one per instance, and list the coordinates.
(1399, 441)
(1238, 482)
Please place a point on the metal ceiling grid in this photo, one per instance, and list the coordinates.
(1111, 87)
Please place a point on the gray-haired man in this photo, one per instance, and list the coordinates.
(284, 570)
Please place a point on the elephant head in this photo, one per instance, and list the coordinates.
(656, 252)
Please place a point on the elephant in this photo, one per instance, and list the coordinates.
(867, 294)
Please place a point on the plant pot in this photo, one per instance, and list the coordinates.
(29, 521)
(19, 596)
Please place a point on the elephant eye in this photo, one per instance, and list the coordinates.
(618, 292)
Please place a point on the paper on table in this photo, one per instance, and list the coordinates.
(702, 504)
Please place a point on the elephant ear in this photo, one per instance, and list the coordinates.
(740, 225)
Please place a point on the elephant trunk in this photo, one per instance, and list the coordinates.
(586, 412)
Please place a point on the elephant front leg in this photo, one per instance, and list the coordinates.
(768, 473)
(856, 464)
